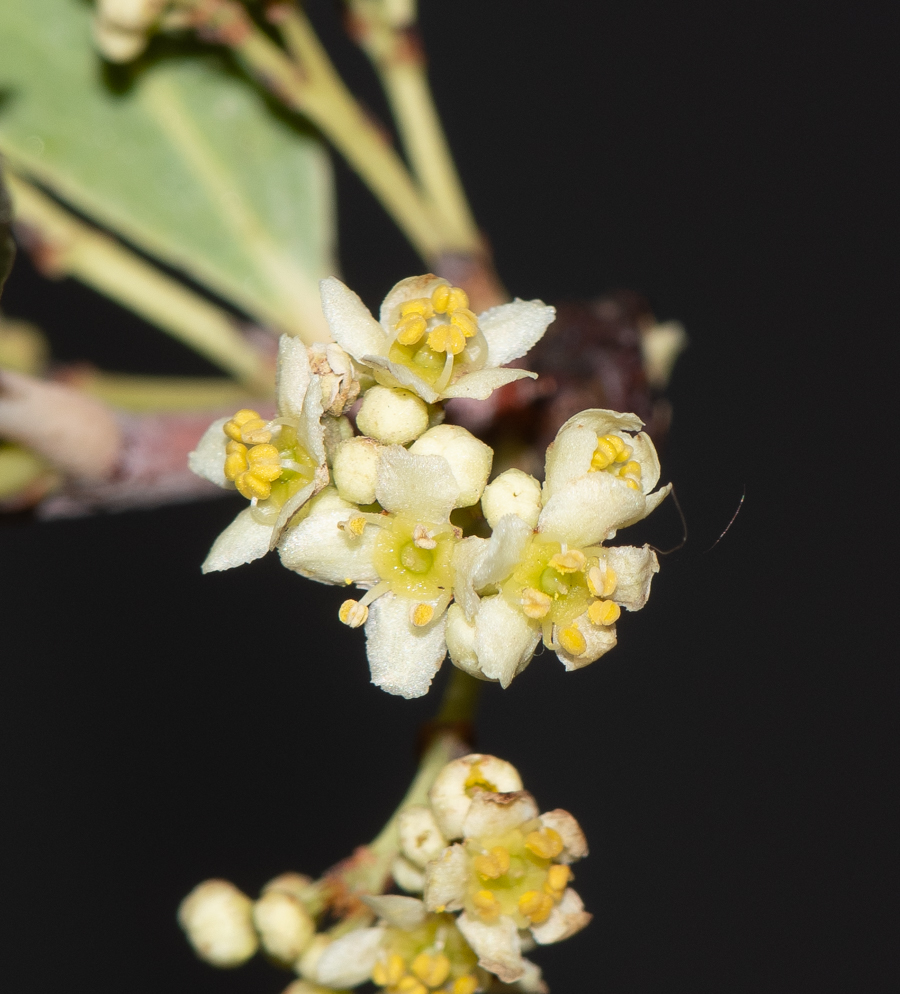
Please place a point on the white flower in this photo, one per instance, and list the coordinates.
(429, 342)
(559, 581)
(278, 465)
(402, 557)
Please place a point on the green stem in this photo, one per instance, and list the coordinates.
(460, 700)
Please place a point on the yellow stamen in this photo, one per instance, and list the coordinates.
(355, 525)
(492, 864)
(256, 431)
(466, 321)
(477, 779)
(410, 329)
(568, 562)
(465, 985)
(265, 462)
(487, 905)
(572, 641)
(604, 612)
(421, 305)
(631, 470)
(388, 972)
(409, 985)
(601, 580)
(536, 906)
(252, 485)
(546, 843)
(431, 970)
(421, 614)
(447, 299)
(605, 453)
(353, 614)
(625, 454)
(535, 603)
(558, 877)
(447, 338)
(235, 460)
(233, 427)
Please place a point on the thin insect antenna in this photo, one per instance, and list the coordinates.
(730, 523)
(684, 529)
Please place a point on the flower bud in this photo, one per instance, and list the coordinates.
(309, 961)
(407, 877)
(392, 415)
(355, 469)
(454, 787)
(420, 837)
(513, 492)
(470, 459)
(285, 926)
(217, 919)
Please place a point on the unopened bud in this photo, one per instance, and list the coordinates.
(407, 877)
(470, 459)
(420, 838)
(513, 492)
(217, 919)
(285, 926)
(392, 415)
(452, 791)
(355, 469)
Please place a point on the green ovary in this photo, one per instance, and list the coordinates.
(421, 574)
(569, 593)
(290, 481)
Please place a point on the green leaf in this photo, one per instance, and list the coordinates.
(189, 163)
(7, 246)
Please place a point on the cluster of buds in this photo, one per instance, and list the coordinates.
(392, 504)
(494, 877)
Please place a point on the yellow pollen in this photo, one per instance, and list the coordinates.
(233, 427)
(421, 614)
(353, 614)
(492, 864)
(431, 970)
(447, 299)
(409, 985)
(466, 321)
(625, 454)
(410, 329)
(235, 460)
(265, 462)
(355, 525)
(604, 454)
(464, 985)
(601, 580)
(388, 972)
(421, 305)
(633, 485)
(535, 603)
(546, 843)
(536, 906)
(487, 905)
(572, 641)
(558, 877)
(631, 469)
(568, 562)
(447, 338)
(604, 612)
(255, 432)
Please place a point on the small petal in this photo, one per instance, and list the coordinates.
(569, 831)
(402, 912)
(590, 510)
(446, 879)
(460, 635)
(293, 504)
(598, 641)
(449, 795)
(497, 946)
(407, 876)
(403, 659)
(244, 540)
(496, 814)
(505, 640)
(567, 918)
(349, 960)
(208, 459)
(466, 555)
(419, 487)
(481, 383)
(292, 377)
(634, 569)
(392, 374)
(531, 982)
(500, 556)
(351, 324)
(512, 329)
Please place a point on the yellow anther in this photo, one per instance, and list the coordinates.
(467, 984)
(572, 641)
(605, 453)
(536, 906)
(492, 864)
(487, 905)
(616, 442)
(353, 614)
(447, 299)
(466, 321)
(233, 427)
(535, 603)
(633, 484)
(431, 970)
(423, 538)
(447, 338)
(265, 462)
(421, 614)
(409, 985)
(440, 297)
(355, 525)
(601, 580)
(252, 485)
(558, 877)
(625, 454)
(477, 779)
(421, 305)
(235, 460)
(546, 843)
(410, 329)
(631, 469)
(256, 431)
(604, 612)
(388, 972)
(568, 562)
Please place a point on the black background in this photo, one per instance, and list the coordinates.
(728, 759)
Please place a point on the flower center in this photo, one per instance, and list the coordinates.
(613, 455)
(433, 957)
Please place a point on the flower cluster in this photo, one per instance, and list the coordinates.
(377, 505)
(494, 875)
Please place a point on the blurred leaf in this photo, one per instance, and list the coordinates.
(189, 163)
(7, 246)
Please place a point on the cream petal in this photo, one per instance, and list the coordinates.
(531, 982)
(496, 814)
(311, 431)
(420, 837)
(392, 374)
(497, 946)
(349, 960)
(569, 456)
(503, 551)
(644, 451)
(570, 832)
(481, 383)
(599, 640)
(208, 459)
(292, 376)
(505, 640)
(317, 548)
(634, 569)
(651, 503)
(466, 555)
(402, 912)
(242, 541)
(411, 288)
(460, 635)
(567, 918)
(403, 659)
(349, 320)
(449, 798)
(407, 876)
(445, 880)
(512, 329)
(419, 487)
(590, 510)
(294, 504)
